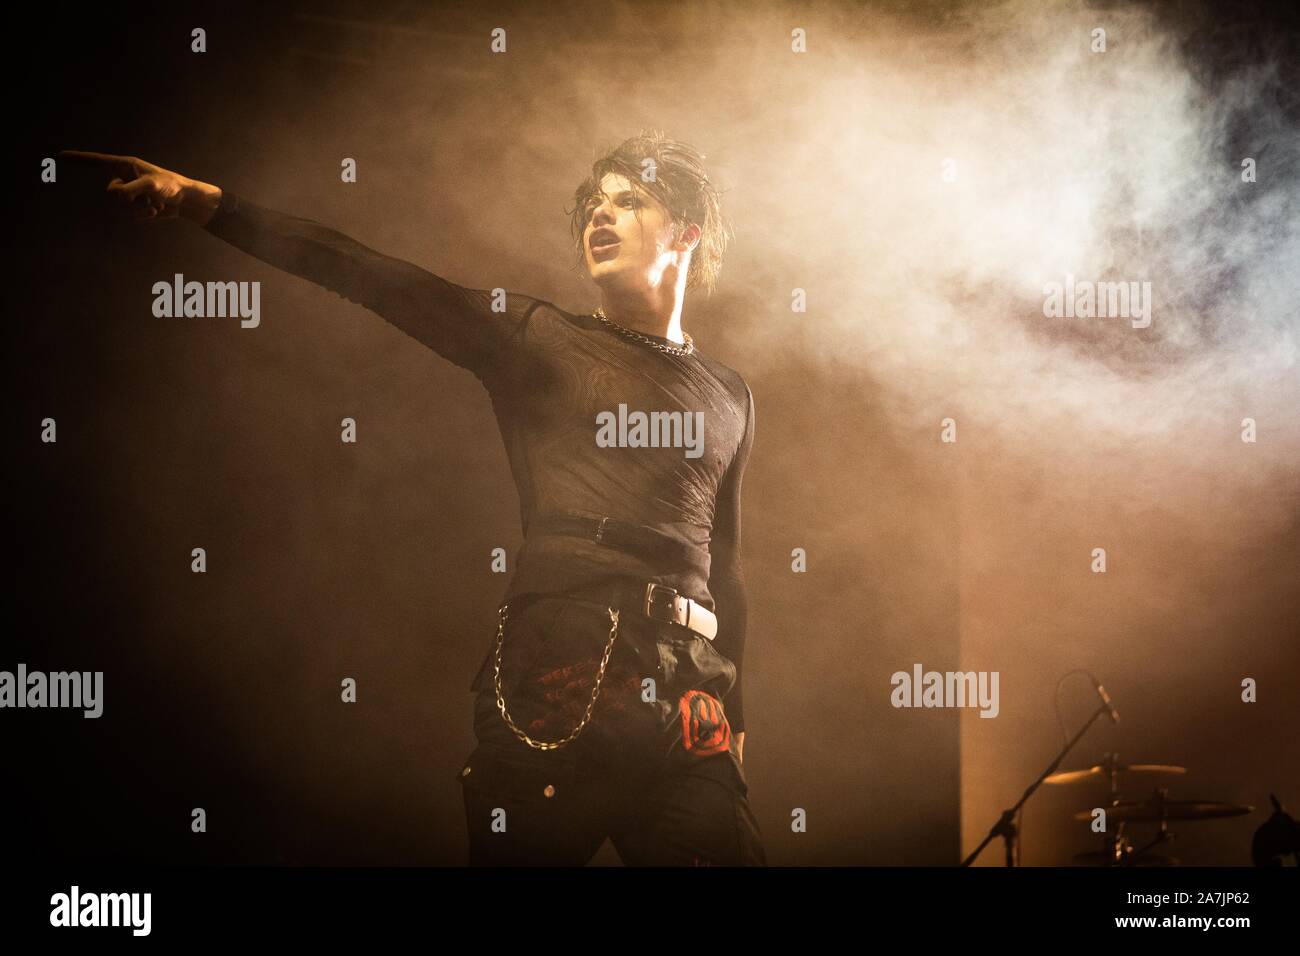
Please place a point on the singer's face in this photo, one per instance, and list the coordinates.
(628, 238)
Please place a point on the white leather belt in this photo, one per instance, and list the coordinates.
(663, 603)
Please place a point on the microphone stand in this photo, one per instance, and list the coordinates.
(1006, 825)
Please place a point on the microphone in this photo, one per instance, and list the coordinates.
(1105, 699)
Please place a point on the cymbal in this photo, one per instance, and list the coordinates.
(1078, 776)
(1130, 811)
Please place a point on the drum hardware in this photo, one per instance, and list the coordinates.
(1119, 849)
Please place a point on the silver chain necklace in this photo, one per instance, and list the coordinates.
(670, 349)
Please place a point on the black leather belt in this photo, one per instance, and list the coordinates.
(623, 535)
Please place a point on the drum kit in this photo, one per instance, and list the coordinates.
(1118, 849)
(1279, 837)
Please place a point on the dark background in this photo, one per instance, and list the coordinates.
(371, 561)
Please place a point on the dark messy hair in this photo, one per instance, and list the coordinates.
(680, 185)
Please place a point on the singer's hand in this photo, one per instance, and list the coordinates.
(150, 192)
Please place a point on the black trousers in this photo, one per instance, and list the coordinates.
(642, 774)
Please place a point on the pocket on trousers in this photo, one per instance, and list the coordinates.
(521, 808)
(539, 778)
(693, 663)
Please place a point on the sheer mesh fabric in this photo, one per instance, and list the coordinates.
(549, 373)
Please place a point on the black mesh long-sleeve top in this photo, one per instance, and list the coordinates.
(549, 374)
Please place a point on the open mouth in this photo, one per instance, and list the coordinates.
(603, 241)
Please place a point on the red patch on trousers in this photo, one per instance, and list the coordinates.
(705, 730)
(564, 693)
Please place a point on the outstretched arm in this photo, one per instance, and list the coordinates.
(727, 579)
(457, 323)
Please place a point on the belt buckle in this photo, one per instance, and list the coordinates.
(650, 590)
(600, 528)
